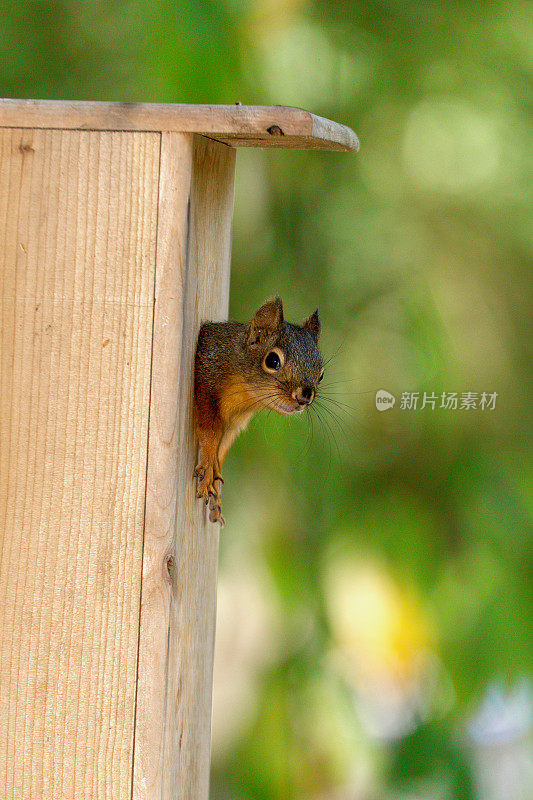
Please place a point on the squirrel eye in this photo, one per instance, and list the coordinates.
(321, 376)
(272, 361)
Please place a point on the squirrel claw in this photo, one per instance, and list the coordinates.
(209, 490)
(215, 515)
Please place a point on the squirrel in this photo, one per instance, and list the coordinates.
(241, 368)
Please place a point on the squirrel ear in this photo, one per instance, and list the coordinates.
(313, 325)
(267, 319)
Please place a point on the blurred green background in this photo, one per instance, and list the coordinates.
(375, 597)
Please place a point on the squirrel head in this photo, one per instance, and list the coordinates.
(286, 362)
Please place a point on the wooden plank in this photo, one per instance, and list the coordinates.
(78, 215)
(164, 478)
(172, 735)
(188, 724)
(237, 125)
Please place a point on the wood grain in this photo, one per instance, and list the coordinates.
(78, 215)
(114, 247)
(236, 125)
(172, 739)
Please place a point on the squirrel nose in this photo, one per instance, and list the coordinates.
(304, 395)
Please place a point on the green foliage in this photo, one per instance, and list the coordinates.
(428, 754)
(417, 251)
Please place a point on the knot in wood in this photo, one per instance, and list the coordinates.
(170, 566)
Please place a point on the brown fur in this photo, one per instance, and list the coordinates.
(231, 383)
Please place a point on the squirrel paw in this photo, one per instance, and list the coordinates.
(215, 513)
(208, 491)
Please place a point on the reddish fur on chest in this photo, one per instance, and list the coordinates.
(235, 400)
